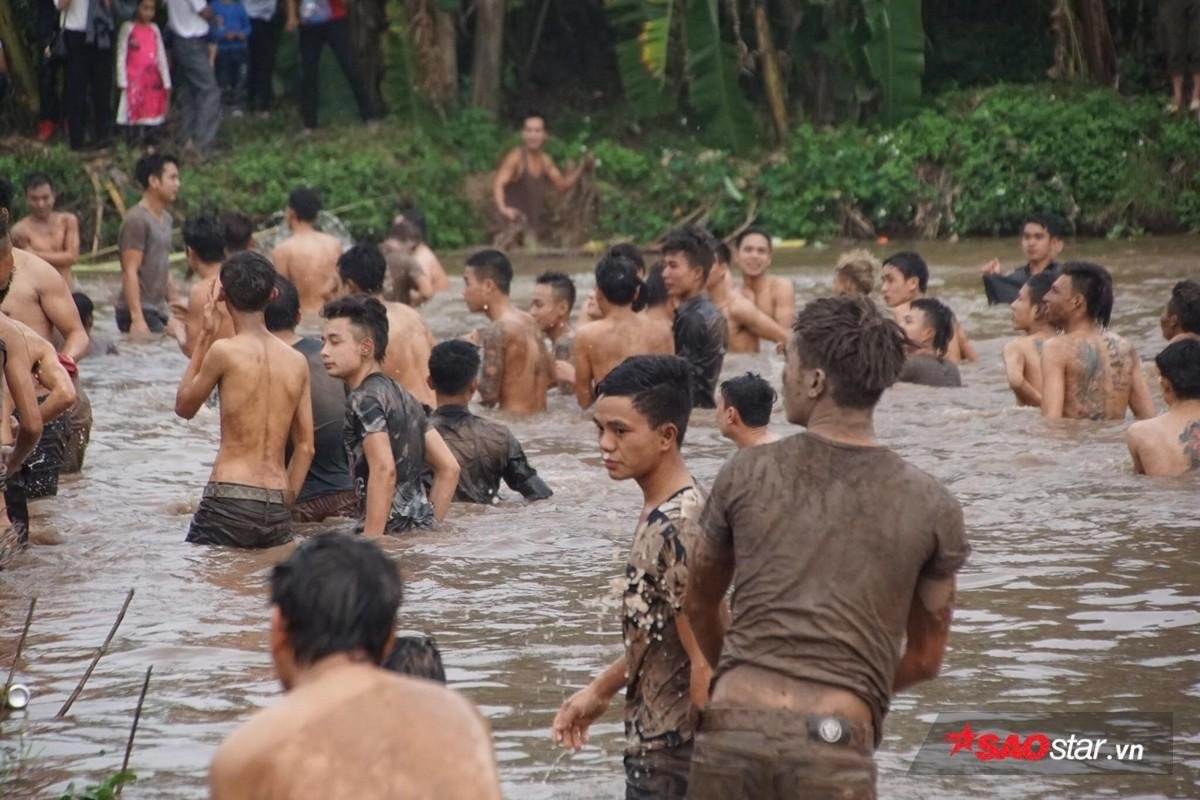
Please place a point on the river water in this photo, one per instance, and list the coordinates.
(1081, 593)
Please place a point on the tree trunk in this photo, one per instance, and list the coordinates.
(489, 51)
(1098, 45)
(20, 64)
(368, 22)
(434, 42)
(772, 80)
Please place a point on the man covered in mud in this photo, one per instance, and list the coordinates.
(929, 326)
(1089, 372)
(345, 728)
(1181, 318)
(829, 625)
(410, 284)
(906, 278)
(1169, 444)
(51, 235)
(774, 295)
(699, 328)
(517, 367)
(486, 451)
(744, 410)
(308, 257)
(641, 417)
(745, 324)
(265, 403)
(1023, 355)
(1042, 238)
(551, 305)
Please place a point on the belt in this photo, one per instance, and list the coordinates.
(238, 491)
(820, 728)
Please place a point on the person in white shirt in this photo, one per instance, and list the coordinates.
(192, 72)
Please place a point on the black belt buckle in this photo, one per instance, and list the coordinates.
(828, 730)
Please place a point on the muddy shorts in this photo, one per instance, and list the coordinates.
(156, 320)
(324, 506)
(234, 515)
(764, 754)
(658, 774)
(1179, 23)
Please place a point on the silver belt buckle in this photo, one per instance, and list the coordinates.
(830, 730)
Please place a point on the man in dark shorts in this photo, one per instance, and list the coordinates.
(145, 246)
(1042, 238)
(388, 436)
(699, 327)
(929, 326)
(264, 401)
(744, 410)
(642, 415)
(486, 451)
(838, 602)
(328, 490)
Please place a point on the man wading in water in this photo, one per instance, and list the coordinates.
(829, 590)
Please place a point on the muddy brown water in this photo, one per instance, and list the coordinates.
(1081, 594)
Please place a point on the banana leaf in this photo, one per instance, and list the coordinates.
(642, 56)
(895, 53)
(713, 90)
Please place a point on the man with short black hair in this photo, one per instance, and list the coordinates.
(1042, 238)
(265, 403)
(308, 257)
(929, 326)
(1089, 372)
(551, 305)
(1023, 355)
(204, 242)
(238, 232)
(641, 417)
(1169, 444)
(774, 295)
(746, 324)
(345, 727)
(1181, 318)
(699, 328)
(145, 246)
(486, 451)
(906, 278)
(51, 235)
(744, 410)
(827, 626)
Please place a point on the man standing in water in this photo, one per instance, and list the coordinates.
(346, 728)
(204, 241)
(1169, 444)
(1023, 355)
(265, 402)
(517, 368)
(642, 416)
(745, 324)
(775, 296)
(1089, 372)
(828, 625)
(52, 236)
(906, 278)
(145, 246)
(1042, 241)
(699, 327)
(744, 410)
(308, 258)
(1181, 318)
(553, 300)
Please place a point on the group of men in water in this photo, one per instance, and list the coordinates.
(779, 691)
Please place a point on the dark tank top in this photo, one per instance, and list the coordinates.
(527, 194)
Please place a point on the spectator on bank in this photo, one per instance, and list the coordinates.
(199, 97)
(47, 34)
(88, 36)
(230, 32)
(263, 32)
(143, 76)
(323, 22)
(1181, 29)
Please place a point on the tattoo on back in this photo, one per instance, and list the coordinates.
(1089, 390)
(1190, 439)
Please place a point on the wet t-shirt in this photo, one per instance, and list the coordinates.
(330, 469)
(486, 452)
(700, 339)
(1005, 288)
(658, 704)
(829, 541)
(380, 405)
(151, 236)
(929, 370)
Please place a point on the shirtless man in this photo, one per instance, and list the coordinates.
(1169, 445)
(698, 328)
(265, 403)
(308, 258)
(551, 305)
(406, 361)
(144, 243)
(204, 240)
(745, 324)
(422, 252)
(51, 235)
(410, 284)
(517, 367)
(744, 410)
(827, 626)
(1023, 355)
(523, 181)
(1042, 238)
(1181, 318)
(905, 278)
(346, 728)
(855, 273)
(1089, 372)
(775, 296)
(620, 332)
(238, 231)
(19, 395)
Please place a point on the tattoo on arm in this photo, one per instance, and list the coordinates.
(492, 379)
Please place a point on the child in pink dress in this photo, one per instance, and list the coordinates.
(143, 74)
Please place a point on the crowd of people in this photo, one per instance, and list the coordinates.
(779, 689)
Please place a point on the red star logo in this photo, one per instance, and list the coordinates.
(962, 740)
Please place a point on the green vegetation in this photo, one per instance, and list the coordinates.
(106, 790)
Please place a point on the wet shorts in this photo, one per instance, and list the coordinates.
(39, 473)
(324, 506)
(156, 320)
(765, 754)
(241, 516)
(658, 774)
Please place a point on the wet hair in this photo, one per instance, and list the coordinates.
(562, 286)
(364, 265)
(453, 364)
(1095, 284)
(413, 215)
(85, 307)
(1055, 225)
(6, 193)
(722, 254)
(940, 318)
(337, 594)
(752, 396)
(405, 230)
(1179, 364)
(305, 202)
(754, 230)
(152, 166)
(911, 265)
(205, 234)
(494, 266)
(365, 313)
(693, 242)
(238, 231)
(36, 179)
(654, 292)
(283, 313)
(248, 279)
(858, 268)
(417, 657)
(1184, 305)
(630, 251)
(660, 388)
(1038, 286)
(617, 280)
(860, 350)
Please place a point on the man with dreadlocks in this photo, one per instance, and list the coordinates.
(826, 625)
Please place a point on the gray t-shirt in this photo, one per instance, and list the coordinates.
(142, 231)
(929, 370)
(330, 469)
